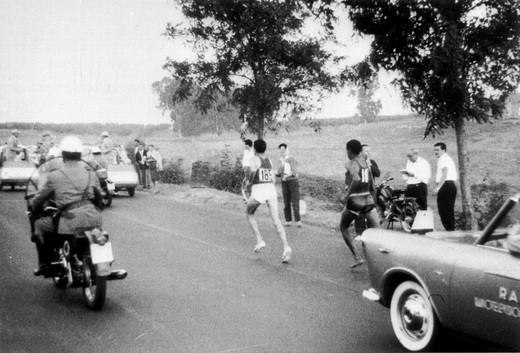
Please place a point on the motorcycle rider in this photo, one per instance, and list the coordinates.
(76, 193)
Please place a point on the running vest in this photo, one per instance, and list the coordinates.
(264, 174)
(365, 180)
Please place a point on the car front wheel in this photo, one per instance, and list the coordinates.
(413, 319)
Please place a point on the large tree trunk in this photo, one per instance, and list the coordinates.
(465, 187)
(260, 129)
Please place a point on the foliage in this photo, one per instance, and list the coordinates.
(188, 120)
(173, 173)
(488, 197)
(86, 129)
(367, 107)
(201, 172)
(322, 188)
(228, 178)
(252, 52)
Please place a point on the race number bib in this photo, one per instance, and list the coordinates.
(364, 175)
(265, 175)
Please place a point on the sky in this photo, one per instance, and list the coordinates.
(68, 61)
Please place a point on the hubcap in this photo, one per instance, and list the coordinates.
(414, 317)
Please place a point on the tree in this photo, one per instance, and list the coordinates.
(189, 121)
(458, 60)
(253, 52)
(367, 107)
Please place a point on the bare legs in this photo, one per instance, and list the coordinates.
(252, 205)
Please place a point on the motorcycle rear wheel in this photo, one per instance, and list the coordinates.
(407, 217)
(94, 288)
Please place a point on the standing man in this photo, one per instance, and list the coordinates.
(14, 147)
(365, 152)
(107, 145)
(140, 158)
(417, 175)
(261, 177)
(446, 189)
(156, 167)
(288, 171)
(246, 163)
(357, 197)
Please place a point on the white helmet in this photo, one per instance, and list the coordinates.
(71, 144)
(95, 149)
(105, 134)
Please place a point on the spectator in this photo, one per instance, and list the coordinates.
(14, 147)
(287, 170)
(140, 158)
(446, 189)
(357, 198)
(246, 162)
(374, 168)
(107, 145)
(154, 160)
(417, 175)
(263, 191)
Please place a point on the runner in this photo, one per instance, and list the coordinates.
(357, 198)
(261, 177)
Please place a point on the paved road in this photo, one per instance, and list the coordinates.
(194, 285)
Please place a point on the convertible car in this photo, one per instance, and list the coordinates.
(459, 281)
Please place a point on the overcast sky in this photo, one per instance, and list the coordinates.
(95, 61)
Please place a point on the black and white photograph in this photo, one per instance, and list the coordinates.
(259, 176)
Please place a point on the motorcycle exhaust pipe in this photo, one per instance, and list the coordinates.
(117, 275)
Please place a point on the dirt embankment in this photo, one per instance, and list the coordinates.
(201, 195)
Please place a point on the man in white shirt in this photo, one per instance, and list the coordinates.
(248, 153)
(417, 175)
(446, 189)
(246, 164)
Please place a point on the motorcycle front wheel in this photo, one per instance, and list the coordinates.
(94, 288)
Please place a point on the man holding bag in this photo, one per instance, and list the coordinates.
(357, 197)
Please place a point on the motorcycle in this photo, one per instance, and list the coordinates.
(80, 260)
(394, 207)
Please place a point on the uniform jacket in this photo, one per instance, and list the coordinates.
(70, 183)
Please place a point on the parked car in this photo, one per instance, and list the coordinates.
(15, 173)
(124, 177)
(448, 280)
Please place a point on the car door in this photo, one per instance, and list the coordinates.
(484, 295)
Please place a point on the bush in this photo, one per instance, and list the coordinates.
(201, 172)
(487, 198)
(321, 188)
(228, 179)
(173, 173)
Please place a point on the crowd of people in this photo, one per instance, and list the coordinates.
(148, 160)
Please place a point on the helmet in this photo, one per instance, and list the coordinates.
(95, 149)
(105, 134)
(71, 144)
